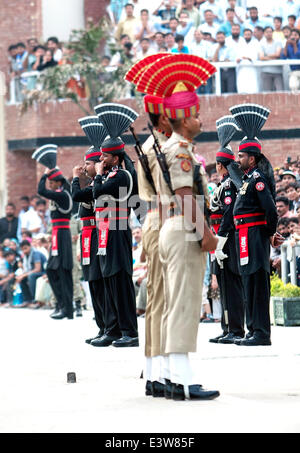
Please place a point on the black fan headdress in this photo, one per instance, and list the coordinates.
(47, 155)
(96, 134)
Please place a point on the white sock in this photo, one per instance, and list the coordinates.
(156, 372)
(148, 368)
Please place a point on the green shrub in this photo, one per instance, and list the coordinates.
(279, 289)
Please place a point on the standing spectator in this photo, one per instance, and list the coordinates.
(292, 21)
(17, 68)
(215, 8)
(254, 20)
(186, 27)
(227, 25)
(39, 52)
(209, 26)
(165, 12)
(9, 223)
(30, 220)
(291, 51)
(128, 25)
(246, 71)
(173, 25)
(222, 52)
(258, 33)
(144, 28)
(282, 207)
(272, 79)
(44, 215)
(235, 41)
(188, 7)
(278, 34)
(180, 47)
(48, 61)
(170, 41)
(53, 45)
(293, 196)
(200, 47)
(34, 263)
(288, 8)
(239, 12)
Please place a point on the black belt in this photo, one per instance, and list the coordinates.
(249, 219)
(88, 221)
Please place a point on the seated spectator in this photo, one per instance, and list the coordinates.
(9, 223)
(47, 61)
(180, 47)
(287, 177)
(222, 52)
(169, 41)
(3, 274)
(144, 27)
(207, 37)
(188, 7)
(30, 221)
(247, 80)
(7, 283)
(293, 196)
(34, 264)
(291, 51)
(254, 20)
(278, 34)
(282, 207)
(128, 25)
(216, 10)
(53, 45)
(272, 79)
(209, 25)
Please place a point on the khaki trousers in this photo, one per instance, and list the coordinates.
(155, 291)
(183, 269)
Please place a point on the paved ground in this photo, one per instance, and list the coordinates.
(260, 387)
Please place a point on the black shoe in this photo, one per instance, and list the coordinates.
(126, 342)
(216, 339)
(57, 310)
(254, 341)
(105, 340)
(62, 315)
(89, 340)
(168, 389)
(78, 309)
(196, 392)
(229, 339)
(158, 389)
(148, 388)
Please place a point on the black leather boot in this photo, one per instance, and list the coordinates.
(78, 309)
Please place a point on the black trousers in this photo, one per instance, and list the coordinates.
(61, 283)
(257, 294)
(228, 80)
(120, 306)
(97, 292)
(235, 302)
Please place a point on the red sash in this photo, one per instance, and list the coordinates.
(216, 220)
(57, 224)
(103, 219)
(242, 223)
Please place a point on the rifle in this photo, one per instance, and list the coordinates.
(208, 238)
(143, 159)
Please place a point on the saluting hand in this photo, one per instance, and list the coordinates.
(99, 167)
(77, 171)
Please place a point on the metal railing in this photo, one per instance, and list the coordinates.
(289, 254)
(217, 76)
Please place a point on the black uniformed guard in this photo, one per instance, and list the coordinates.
(60, 262)
(255, 219)
(96, 133)
(112, 188)
(225, 260)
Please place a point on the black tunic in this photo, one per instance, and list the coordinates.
(119, 246)
(84, 196)
(255, 197)
(60, 207)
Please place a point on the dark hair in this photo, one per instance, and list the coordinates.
(252, 8)
(283, 221)
(293, 185)
(144, 11)
(207, 11)
(278, 18)
(168, 34)
(154, 118)
(293, 16)
(53, 39)
(9, 252)
(279, 191)
(266, 28)
(174, 18)
(248, 29)
(25, 243)
(220, 33)
(286, 27)
(11, 204)
(40, 201)
(159, 33)
(258, 27)
(229, 9)
(129, 4)
(293, 219)
(296, 31)
(145, 39)
(39, 47)
(128, 45)
(21, 44)
(179, 38)
(12, 47)
(124, 36)
(25, 198)
(282, 200)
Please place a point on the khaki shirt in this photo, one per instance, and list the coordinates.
(146, 192)
(127, 27)
(181, 162)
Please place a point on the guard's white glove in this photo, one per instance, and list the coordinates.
(219, 254)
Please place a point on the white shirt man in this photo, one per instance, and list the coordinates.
(200, 47)
(215, 7)
(247, 81)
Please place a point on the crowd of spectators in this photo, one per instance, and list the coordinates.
(240, 33)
